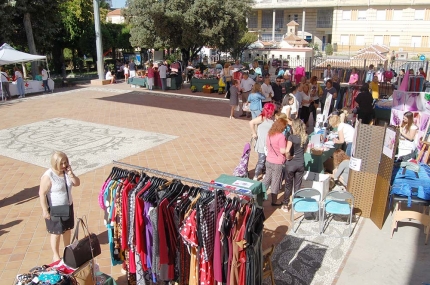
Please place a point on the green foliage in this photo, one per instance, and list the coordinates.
(328, 49)
(314, 46)
(186, 24)
(239, 47)
(193, 88)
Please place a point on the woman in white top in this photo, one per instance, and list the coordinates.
(345, 133)
(290, 105)
(306, 101)
(408, 131)
(19, 82)
(126, 73)
(54, 192)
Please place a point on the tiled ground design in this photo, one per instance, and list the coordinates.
(305, 257)
(87, 145)
(208, 144)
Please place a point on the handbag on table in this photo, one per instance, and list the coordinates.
(83, 250)
(61, 212)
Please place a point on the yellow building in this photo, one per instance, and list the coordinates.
(348, 25)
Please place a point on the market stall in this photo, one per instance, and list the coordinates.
(9, 55)
(199, 83)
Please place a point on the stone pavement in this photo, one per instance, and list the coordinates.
(204, 144)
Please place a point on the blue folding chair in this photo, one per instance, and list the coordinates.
(337, 202)
(304, 202)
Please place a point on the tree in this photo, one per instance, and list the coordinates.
(247, 39)
(328, 49)
(186, 24)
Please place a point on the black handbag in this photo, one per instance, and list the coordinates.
(61, 212)
(81, 251)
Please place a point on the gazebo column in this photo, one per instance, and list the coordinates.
(273, 25)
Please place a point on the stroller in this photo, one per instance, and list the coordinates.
(242, 169)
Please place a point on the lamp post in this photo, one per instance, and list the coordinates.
(99, 44)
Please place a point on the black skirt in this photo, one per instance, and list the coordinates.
(60, 227)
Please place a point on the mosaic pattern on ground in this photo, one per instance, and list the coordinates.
(87, 145)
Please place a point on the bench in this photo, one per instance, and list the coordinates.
(100, 82)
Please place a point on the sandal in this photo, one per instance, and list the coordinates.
(285, 208)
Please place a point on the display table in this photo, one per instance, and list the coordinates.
(140, 81)
(243, 185)
(31, 86)
(143, 82)
(315, 163)
(200, 82)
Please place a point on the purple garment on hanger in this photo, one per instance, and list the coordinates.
(148, 237)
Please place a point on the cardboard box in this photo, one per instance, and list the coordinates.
(208, 90)
(318, 181)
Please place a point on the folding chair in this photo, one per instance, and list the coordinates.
(336, 203)
(304, 202)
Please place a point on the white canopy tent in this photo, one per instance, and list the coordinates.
(9, 55)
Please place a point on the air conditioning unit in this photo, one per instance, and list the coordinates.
(402, 55)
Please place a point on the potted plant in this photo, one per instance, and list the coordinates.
(193, 88)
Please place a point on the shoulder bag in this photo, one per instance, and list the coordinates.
(81, 251)
(61, 212)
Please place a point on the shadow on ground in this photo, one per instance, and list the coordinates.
(172, 102)
(21, 197)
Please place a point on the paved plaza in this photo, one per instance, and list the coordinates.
(181, 133)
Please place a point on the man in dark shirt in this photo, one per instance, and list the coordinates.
(277, 90)
(132, 68)
(286, 85)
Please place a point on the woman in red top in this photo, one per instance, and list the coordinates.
(150, 73)
(275, 144)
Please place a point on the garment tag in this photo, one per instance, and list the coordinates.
(35, 280)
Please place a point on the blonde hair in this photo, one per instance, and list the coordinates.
(256, 88)
(334, 121)
(299, 129)
(281, 116)
(56, 158)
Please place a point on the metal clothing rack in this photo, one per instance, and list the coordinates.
(174, 176)
(196, 182)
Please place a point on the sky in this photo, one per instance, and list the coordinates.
(118, 3)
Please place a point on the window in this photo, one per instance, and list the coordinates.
(395, 41)
(397, 15)
(419, 14)
(344, 39)
(416, 41)
(294, 17)
(378, 40)
(361, 15)
(253, 20)
(324, 18)
(359, 40)
(346, 15)
(266, 37)
(380, 15)
(267, 19)
(279, 37)
(279, 19)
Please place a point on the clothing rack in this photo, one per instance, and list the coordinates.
(174, 176)
(193, 181)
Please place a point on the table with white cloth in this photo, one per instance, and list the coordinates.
(31, 86)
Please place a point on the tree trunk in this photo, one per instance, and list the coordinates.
(31, 44)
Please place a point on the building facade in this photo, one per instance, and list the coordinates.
(349, 25)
